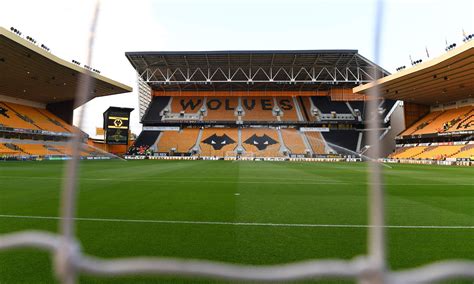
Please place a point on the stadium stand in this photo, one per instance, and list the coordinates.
(9, 149)
(262, 115)
(422, 123)
(26, 117)
(316, 141)
(439, 152)
(466, 152)
(177, 141)
(434, 152)
(293, 141)
(37, 118)
(218, 141)
(409, 152)
(443, 121)
(10, 118)
(30, 148)
(37, 100)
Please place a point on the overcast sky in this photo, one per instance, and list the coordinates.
(409, 27)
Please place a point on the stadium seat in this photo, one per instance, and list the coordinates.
(10, 118)
(438, 152)
(293, 141)
(43, 148)
(38, 118)
(181, 141)
(21, 116)
(8, 149)
(466, 152)
(443, 121)
(316, 141)
(422, 123)
(410, 152)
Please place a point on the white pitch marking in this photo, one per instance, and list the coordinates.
(295, 182)
(237, 193)
(238, 223)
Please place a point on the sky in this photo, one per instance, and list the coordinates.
(409, 28)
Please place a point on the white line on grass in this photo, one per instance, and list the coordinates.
(293, 182)
(236, 223)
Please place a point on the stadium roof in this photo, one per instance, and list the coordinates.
(253, 69)
(447, 78)
(30, 72)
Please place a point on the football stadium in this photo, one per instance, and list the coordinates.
(276, 165)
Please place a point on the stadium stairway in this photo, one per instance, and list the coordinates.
(283, 147)
(306, 142)
(297, 109)
(306, 107)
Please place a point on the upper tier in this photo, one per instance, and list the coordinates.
(26, 117)
(447, 121)
(177, 109)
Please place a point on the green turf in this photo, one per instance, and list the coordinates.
(270, 192)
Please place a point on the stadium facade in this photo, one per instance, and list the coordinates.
(295, 103)
(438, 98)
(37, 91)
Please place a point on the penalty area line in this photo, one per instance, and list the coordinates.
(238, 223)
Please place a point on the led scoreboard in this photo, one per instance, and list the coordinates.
(116, 125)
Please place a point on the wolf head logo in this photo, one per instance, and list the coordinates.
(218, 142)
(261, 142)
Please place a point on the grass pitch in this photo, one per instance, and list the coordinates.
(227, 211)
